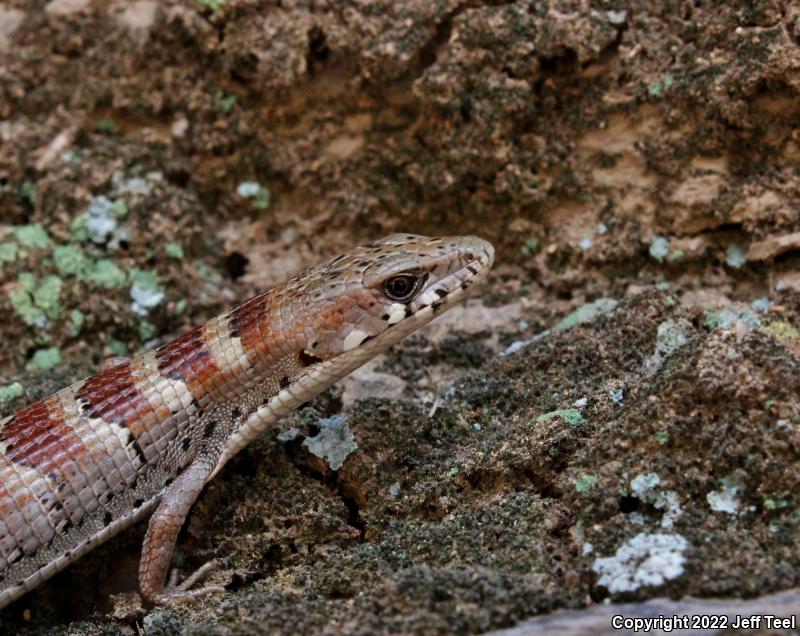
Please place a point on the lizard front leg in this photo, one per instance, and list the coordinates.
(162, 533)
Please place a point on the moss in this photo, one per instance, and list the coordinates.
(22, 302)
(45, 359)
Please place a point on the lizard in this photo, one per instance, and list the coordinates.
(144, 435)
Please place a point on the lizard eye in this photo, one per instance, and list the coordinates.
(403, 287)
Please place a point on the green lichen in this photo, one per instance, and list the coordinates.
(215, 5)
(10, 392)
(711, 320)
(35, 300)
(70, 259)
(119, 208)
(106, 125)
(107, 274)
(662, 437)
(777, 503)
(531, 246)
(174, 250)
(46, 296)
(586, 313)
(44, 359)
(77, 319)
(27, 191)
(584, 483)
(8, 252)
(223, 102)
(259, 196)
(657, 88)
(117, 346)
(146, 330)
(144, 278)
(78, 229)
(573, 417)
(32, 236)
(781, 330)
(23, 305)
(27, 280)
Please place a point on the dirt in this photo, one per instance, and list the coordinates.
(159, 161)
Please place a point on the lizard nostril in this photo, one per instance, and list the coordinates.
(469, 256)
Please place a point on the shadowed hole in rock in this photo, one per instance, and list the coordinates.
(628, 504)
(235, 265)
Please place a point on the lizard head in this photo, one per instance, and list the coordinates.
(373, 296)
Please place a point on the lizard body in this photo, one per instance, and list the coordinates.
(145, 435)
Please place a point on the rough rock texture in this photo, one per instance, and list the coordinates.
(160, 159)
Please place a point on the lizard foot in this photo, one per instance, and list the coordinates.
(175, 593)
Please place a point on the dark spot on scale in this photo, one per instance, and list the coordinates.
(85, 405)
(138, 450)
(234, 332)
(208, 431)
(441, 293)
(120, 421)
(436, 307)
(464, 285)
(265, 401)
(62, 486)
(169, 481)
(107, 518)
(236, 413)
(284, 382)
(385, 317)
(472, 269)
(185, 444)
(409, 312)
(314, 344)
(307, 359)
(16, 557)
(138, 503)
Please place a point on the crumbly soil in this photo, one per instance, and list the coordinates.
(159, 160)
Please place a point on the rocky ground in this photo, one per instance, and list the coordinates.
(616, 417)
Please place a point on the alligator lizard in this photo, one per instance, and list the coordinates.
(145, 435)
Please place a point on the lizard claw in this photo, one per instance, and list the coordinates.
(176, 593)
